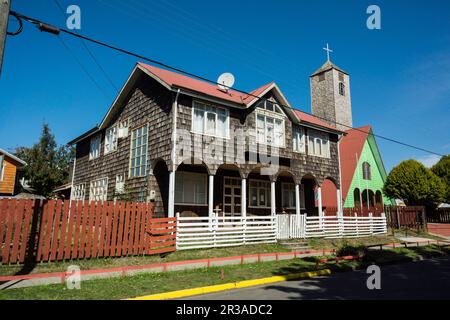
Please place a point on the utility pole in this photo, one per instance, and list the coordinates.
(4, 14)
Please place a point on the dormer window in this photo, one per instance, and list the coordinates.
(111, 140)
(210, 120)
(269, 105)
(341, 88)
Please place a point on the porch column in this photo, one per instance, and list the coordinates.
(171, 200)
(339, 201)
(243, 197)
(297, 199)
(211, 196)
(319, 200)
(272, 198)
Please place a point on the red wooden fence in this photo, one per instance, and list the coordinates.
(406, 217)
(59, 230)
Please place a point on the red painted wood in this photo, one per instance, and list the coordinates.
(29, 206)
(4, 203)
(109, 217)
(18, 217)
(71, 225)
(126, 229)
(114, 231)
(142, 229)
(9, 230)
(158, 251)
(133, 214)
(102, 232)
(43, 218)
(56, 228)
(76, 249)
(91, 220)
(137, 228)
(48, 229)
(84, 227)
(120, 226)
(63, 231)
(97, 225)
(154, 244)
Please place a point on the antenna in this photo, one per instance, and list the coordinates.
(225, 81)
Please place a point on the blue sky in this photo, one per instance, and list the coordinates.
(400, 81)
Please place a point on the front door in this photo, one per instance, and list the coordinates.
(231, 196)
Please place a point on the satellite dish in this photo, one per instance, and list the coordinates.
(225, 81)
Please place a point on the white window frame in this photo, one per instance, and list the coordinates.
(111, 134)
(202, 106)
(97, 185)
(291, 187)
(122, 131)
(267, 193)
(298, 146)
(143, 157)
(120, 184)
(78, 192)
(202, 178)
(317, 138)
(274, 116)
(94, 154)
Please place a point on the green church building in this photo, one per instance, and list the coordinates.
(362, 171)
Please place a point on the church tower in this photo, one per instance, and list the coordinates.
(330, 95)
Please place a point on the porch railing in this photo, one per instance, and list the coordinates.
(213, 232)
(290, 226)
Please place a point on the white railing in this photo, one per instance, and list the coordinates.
(302, 226)
(213, 232)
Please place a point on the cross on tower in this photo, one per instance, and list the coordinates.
(328, 50)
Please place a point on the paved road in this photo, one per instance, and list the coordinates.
(428, 279)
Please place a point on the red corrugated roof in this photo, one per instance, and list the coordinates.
(350, 150)
(302, 116)
(182, 81)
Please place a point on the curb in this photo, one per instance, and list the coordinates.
(229, 286)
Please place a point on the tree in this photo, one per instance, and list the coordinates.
(412, 182)
(47, 164)
(442, 170)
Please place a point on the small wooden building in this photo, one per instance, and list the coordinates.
(8, 172)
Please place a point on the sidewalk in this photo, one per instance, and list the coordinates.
(20, 281)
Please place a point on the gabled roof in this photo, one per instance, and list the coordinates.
(190, 86)
(309, 119)
(13, 157)
(327, 66)
(350, 150)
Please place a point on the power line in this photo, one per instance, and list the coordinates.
(52, 29)
(74, 56)
(108, 78)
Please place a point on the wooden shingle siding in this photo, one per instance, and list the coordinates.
(9, 177)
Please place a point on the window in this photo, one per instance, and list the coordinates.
(120, 183)
(190, 188)
(1, 167)
(111, 140)
(298, 139)
(321, 77)
(366, 171)
(207, 119)
(270, 130)
(78, 192)
(98, 190)
(138, 159)
(94, 150)
(123, 129)
(271, 106)
(341, 89)
(259, 193)
(318, 144)
(288, 196)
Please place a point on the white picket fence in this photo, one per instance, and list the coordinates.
(302, 226)
(213, 232)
